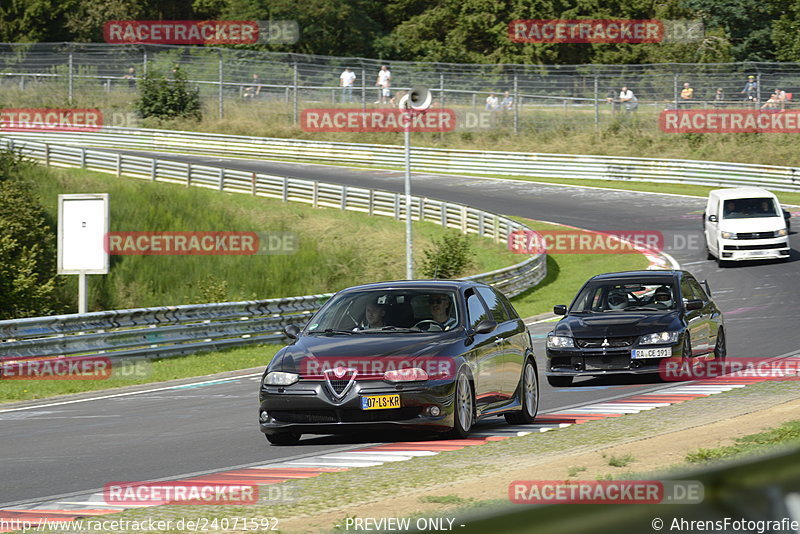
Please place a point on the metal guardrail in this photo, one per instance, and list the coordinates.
(560, 166)
(761, 492)
(172, 330)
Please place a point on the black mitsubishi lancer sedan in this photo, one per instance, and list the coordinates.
(434, 355)
(630, 322)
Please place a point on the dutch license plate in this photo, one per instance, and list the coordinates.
(651, 353)
(380, 402)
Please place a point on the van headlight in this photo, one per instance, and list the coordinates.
(728, 235)
(782, 232)
(279, 378)
(659, 338)
(560, 342)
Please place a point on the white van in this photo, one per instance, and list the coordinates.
(746, 223)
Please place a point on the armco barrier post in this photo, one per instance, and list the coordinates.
(221, 95)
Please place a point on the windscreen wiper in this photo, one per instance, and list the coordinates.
(332, 331)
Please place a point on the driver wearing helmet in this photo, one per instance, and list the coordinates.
(662, 298)
(617, 299)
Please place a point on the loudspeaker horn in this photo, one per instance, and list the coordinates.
(419, 98)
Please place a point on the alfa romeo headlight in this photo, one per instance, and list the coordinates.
(279, 378)
(659, 338)
(560, 342)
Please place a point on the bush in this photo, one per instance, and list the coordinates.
(27, 246)
(451, 256)
(167, 99)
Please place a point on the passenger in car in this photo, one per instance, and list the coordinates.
(617, 299)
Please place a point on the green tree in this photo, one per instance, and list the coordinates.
(786, 34)
(163, 98)
(748, 24)
(327, 27)
(450, 257)
(27, 247)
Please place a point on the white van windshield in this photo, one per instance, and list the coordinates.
(747, 208)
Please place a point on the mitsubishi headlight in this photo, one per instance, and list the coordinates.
(782, 232)
(560, 342)
(728, 235)
(279, 378)
(659, 338)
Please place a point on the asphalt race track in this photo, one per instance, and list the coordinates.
(55, 449)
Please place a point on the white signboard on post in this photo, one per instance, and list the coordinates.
(82, 229)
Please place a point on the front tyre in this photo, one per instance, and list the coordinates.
(720, 349)
(463, 407)
(284, 438)
(529, 396)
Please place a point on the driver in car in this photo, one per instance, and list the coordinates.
(439, 305)
(374, 316)
(662, 298)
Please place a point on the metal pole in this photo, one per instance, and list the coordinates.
(596, 102)
(220, 86)
(83, 293)
(758, 90)
(409, 258)
(675, 89)
(294, 104)
(363, 89)
(69, 96)
(144, 61)
(516, 104)
(441, 88)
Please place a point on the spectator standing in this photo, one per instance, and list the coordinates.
(627, 97)
(346, 80)
(781, 94)
(131, 77)
(492, 103)
(719, 98)
(254, 90)
(750, 89)
(507, 103)
(384, 82)
(687, 94)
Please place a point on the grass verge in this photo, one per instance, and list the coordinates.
(336, 248)
(134, 372)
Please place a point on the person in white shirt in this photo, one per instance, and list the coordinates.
(507, 102)
(492, 104)
(627, 97)
(384, 81)
(346, 83)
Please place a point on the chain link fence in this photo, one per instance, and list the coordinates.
(100, 75)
